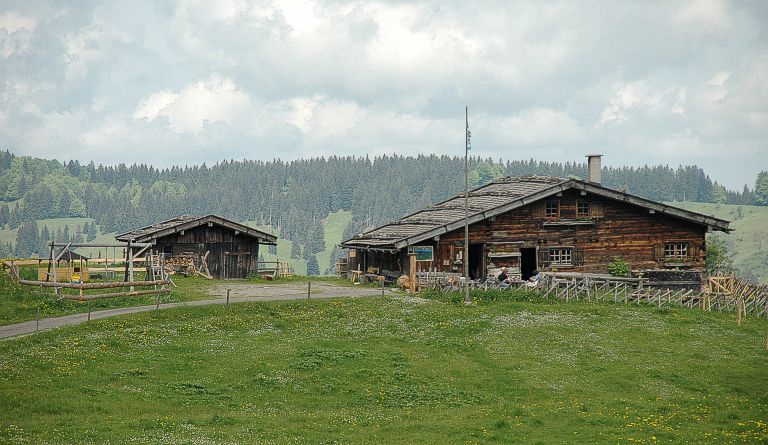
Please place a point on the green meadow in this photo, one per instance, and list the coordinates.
(394, 369)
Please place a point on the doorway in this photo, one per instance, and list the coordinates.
(527, 262)
(476, 264)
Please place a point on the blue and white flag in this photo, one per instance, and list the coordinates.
(469, 139)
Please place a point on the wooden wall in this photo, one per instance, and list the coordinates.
(232, 256)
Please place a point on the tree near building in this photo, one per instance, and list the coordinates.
(719, 259)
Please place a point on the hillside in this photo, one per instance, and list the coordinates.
(291, 199)
(749, 240)
(390, 370)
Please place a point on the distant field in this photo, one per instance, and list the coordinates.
(391, 370)
(749, 240)
(333, 228)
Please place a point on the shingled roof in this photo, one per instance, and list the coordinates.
(497, 197)
(186, 222)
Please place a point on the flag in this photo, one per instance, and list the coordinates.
(469, 138)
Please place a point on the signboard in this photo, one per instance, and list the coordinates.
(423, 253)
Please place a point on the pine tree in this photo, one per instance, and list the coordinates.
(312, 266)
(44, 239)
(92, 232)
(14, 219)
(65, 235)
(4, 215)
(295, 250)
(27, 241)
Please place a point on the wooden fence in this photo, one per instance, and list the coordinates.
(746, 298)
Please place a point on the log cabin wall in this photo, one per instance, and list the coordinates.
(232, 256)
(594, 237)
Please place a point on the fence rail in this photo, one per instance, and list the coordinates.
(746, 298)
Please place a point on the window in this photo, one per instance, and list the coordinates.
(560, 256)
(676, 250)
(552, 210)
(582, 209)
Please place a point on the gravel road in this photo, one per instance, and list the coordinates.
(239, 293)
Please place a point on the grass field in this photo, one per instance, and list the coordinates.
(391, 370)
(749, 240)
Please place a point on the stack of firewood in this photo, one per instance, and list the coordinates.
(181, 264)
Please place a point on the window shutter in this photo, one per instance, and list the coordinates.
(538, 209)
(596, 210)
(577, 257)
(694, 251)
(544, 257)
(658, 252)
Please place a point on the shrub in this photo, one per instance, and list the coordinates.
(619, 268)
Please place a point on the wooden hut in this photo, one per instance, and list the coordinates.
(230, 249)
(539, 223)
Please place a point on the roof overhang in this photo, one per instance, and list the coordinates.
(711, 223)
(263, 238)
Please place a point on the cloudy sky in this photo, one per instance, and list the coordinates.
(188, 81)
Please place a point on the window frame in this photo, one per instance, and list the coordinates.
(677, 250)
(579, 213)
(561, 256)
(556, 205)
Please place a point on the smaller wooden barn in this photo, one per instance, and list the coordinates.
(230, 249)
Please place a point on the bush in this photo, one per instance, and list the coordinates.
(619, 268)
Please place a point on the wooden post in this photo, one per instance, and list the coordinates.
(228, 296)
(738, 309)
(309, 288)
(127, 260)
(37, 320)
(412, 273)
(157, 303)
(130, 267)
(382, 285)
(55, 289)
(89, 311)
(50, 260)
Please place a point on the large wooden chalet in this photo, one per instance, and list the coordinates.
(231, 249)
(539, 223)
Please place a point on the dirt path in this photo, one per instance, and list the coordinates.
(239, 293)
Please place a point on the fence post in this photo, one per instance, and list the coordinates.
(382, 285)
(37, 319)
(228, 296)
(89, 310)
(309, 288)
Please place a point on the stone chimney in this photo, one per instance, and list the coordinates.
(593, 168)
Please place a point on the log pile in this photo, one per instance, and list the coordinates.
(181, 264)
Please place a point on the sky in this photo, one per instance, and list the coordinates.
(191, 81)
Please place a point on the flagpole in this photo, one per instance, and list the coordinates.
(467, 300)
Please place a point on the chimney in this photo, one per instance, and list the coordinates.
(593, 168)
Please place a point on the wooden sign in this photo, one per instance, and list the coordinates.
(422, 253)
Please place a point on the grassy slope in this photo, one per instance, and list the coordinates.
(387, 370)
(333, 228)
(749, 241)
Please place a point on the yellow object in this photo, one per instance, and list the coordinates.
(76, 277)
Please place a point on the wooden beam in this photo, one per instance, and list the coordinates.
(105, 285)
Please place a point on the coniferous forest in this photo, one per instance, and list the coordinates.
(290, 197)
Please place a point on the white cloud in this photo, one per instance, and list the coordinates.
(16, 31)
(216, 99)
(206, 80)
